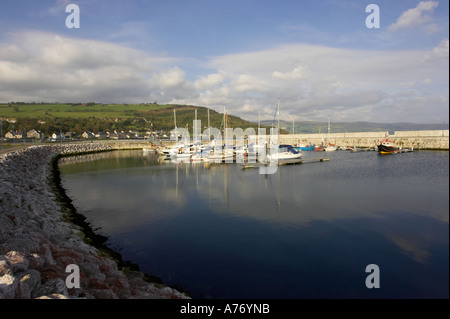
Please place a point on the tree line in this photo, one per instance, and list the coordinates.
(140, 120)
(52, 125)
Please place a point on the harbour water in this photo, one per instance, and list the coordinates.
(307, 231)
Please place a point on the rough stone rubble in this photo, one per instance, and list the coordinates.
(37, 241)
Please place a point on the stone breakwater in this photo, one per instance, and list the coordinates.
(38, 240)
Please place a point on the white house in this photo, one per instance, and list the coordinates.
(101, 135)
(57, 136)
(16, 135)
(35, 134)
(88, 135)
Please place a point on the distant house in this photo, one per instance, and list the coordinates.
(57, 136)
(101, 135)
(14, 135)
(69, 135)
(134, 134)
(117, 135)
(35, 134)
(87, 135)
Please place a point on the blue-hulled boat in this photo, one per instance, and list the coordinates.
(305, 148)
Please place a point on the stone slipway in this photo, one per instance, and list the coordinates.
(38, 240)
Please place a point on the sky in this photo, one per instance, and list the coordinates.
(319, 58)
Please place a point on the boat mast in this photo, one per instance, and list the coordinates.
(224, 138)
(259, 124)
(175, 118)
(194, 129)
(175, 122)
(328, 132)
(328, 123)
(226, 126)
(209, 128)
(278, 115)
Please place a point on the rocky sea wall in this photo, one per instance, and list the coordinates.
(43, 253)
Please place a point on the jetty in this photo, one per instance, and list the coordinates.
(286, 162)
(405, 150)
(400, 150)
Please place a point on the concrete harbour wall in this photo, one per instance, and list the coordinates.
(430, 139)
(427, 139)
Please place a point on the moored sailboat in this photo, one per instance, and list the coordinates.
(283, 151)
(330, 147)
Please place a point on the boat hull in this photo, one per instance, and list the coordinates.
(305, 148)
(386, 149)
(284, 156)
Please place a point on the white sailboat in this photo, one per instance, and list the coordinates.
(284, 151)
(329, 147)
(198, 150)
(227, 148)
(224, 153)
(179, 151)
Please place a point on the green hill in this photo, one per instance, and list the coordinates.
(96, 117)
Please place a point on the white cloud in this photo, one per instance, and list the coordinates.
(250, 83)
(13, 53)
(42, 66)
(311, 81)
(169, 78)
(209, 81)
(441, 51)
(296, 73)
(416, 17)
(58, 7)
(314, 81)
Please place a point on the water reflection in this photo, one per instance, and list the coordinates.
(294, 195)
(389, 209)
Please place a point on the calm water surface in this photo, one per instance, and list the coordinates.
(307, 231)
